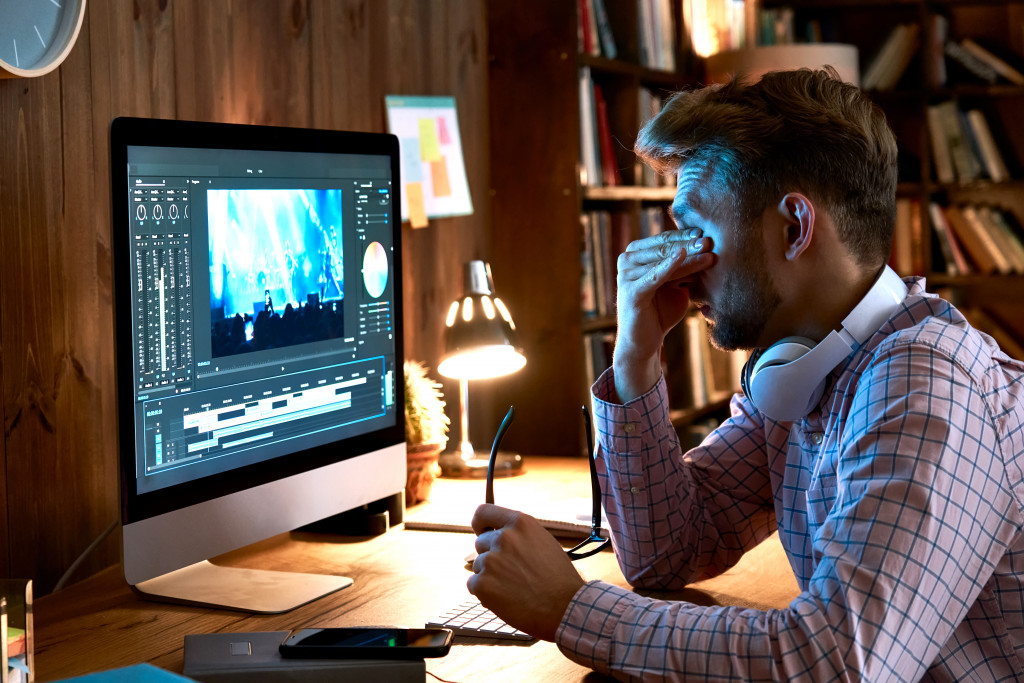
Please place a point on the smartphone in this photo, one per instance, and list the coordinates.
(367, 643)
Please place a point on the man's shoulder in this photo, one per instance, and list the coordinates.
(931, 325)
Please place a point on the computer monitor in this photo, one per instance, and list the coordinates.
(258, 346)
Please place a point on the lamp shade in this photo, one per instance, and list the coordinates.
(480, 337)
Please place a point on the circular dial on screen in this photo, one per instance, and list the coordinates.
(375, 269)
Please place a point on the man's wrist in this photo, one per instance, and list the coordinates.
(634, 378)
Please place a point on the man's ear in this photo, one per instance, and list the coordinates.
(798, 213)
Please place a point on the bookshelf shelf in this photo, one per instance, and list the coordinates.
(620, 193)
(599, 324)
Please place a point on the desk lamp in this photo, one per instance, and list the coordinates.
(480, 343)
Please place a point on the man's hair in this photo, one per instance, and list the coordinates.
(792, 131)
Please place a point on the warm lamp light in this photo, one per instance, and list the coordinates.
(480, 343)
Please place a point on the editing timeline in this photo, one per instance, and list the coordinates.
(163, 308)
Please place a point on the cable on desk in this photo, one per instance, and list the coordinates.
(443, 680)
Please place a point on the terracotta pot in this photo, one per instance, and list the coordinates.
(421, 470)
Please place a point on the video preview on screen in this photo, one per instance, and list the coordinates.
(275, 268)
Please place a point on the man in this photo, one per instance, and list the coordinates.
(897, 490)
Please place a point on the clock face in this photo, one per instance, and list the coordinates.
(36, 35)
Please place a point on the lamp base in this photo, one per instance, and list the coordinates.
(455, 466)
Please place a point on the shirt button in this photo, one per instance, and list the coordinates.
(817, 438)
(635, 489)
(629, 427)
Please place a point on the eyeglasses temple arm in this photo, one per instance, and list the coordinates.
(595, 484)
(489, 494)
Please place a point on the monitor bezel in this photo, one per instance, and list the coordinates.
(126, 132)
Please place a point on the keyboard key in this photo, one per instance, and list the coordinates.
(473, 619)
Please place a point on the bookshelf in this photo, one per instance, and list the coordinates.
(541, 201)
(945, 167)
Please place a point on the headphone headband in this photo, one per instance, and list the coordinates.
(786, 380)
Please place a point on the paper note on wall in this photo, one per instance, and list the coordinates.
(433, 172)
(414, 197)
(439, 176)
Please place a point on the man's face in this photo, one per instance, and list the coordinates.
(736, 296)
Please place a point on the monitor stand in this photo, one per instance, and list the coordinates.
(248, 590)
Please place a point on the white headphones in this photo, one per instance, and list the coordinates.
(786, 380)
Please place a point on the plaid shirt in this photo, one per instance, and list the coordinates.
(898, 502)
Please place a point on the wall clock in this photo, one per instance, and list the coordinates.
(36, 35)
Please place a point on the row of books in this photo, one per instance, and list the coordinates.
(606, 234)
(907, 237)
(696, 372)
(656, 32)
(598, 166)
(594, 30)
(978, 238)
(966, 60)
(963, 146)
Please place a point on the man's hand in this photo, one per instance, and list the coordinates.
(521, 572)
(654, 275)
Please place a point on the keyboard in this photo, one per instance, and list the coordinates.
(470, 618)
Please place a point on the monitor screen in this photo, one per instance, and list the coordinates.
(258, 331)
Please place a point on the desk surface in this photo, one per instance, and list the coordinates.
(403, 577)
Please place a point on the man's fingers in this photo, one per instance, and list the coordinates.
(491, 517)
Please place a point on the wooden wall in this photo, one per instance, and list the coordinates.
(318, 63)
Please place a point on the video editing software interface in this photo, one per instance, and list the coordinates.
(262, 305)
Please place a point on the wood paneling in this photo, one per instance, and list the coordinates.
(326, 63)
(536, 261)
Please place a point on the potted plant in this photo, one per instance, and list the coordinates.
(426, 431)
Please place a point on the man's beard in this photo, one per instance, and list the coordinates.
(745, 303)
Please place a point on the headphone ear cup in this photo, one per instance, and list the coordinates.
(769, 391)
(748, 370)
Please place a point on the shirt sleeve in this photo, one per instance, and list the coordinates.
(677, 518)
(921, 516)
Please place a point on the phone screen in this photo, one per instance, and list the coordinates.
(387, 643)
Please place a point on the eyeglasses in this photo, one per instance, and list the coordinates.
(593, 544)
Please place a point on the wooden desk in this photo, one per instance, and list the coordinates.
(403, 577)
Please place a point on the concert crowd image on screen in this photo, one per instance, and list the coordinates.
(275, 268)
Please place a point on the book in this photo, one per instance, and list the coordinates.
(992, 240)
(935, 64)
(892, 59)
(1000, 66)
(604, 30)
(992, 159)
(609, 168)
(942, 161)
(994, 219)
(587, 44)
(902, 239)
(965, 166)
(974, 243)
(955, 261)
(589, 162)
(970, 64)
(139, 673)
(588, 285)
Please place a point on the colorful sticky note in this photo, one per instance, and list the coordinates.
(442, 131)
(412, 164)
(417, 209)
(439, 176)
(430, 150)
